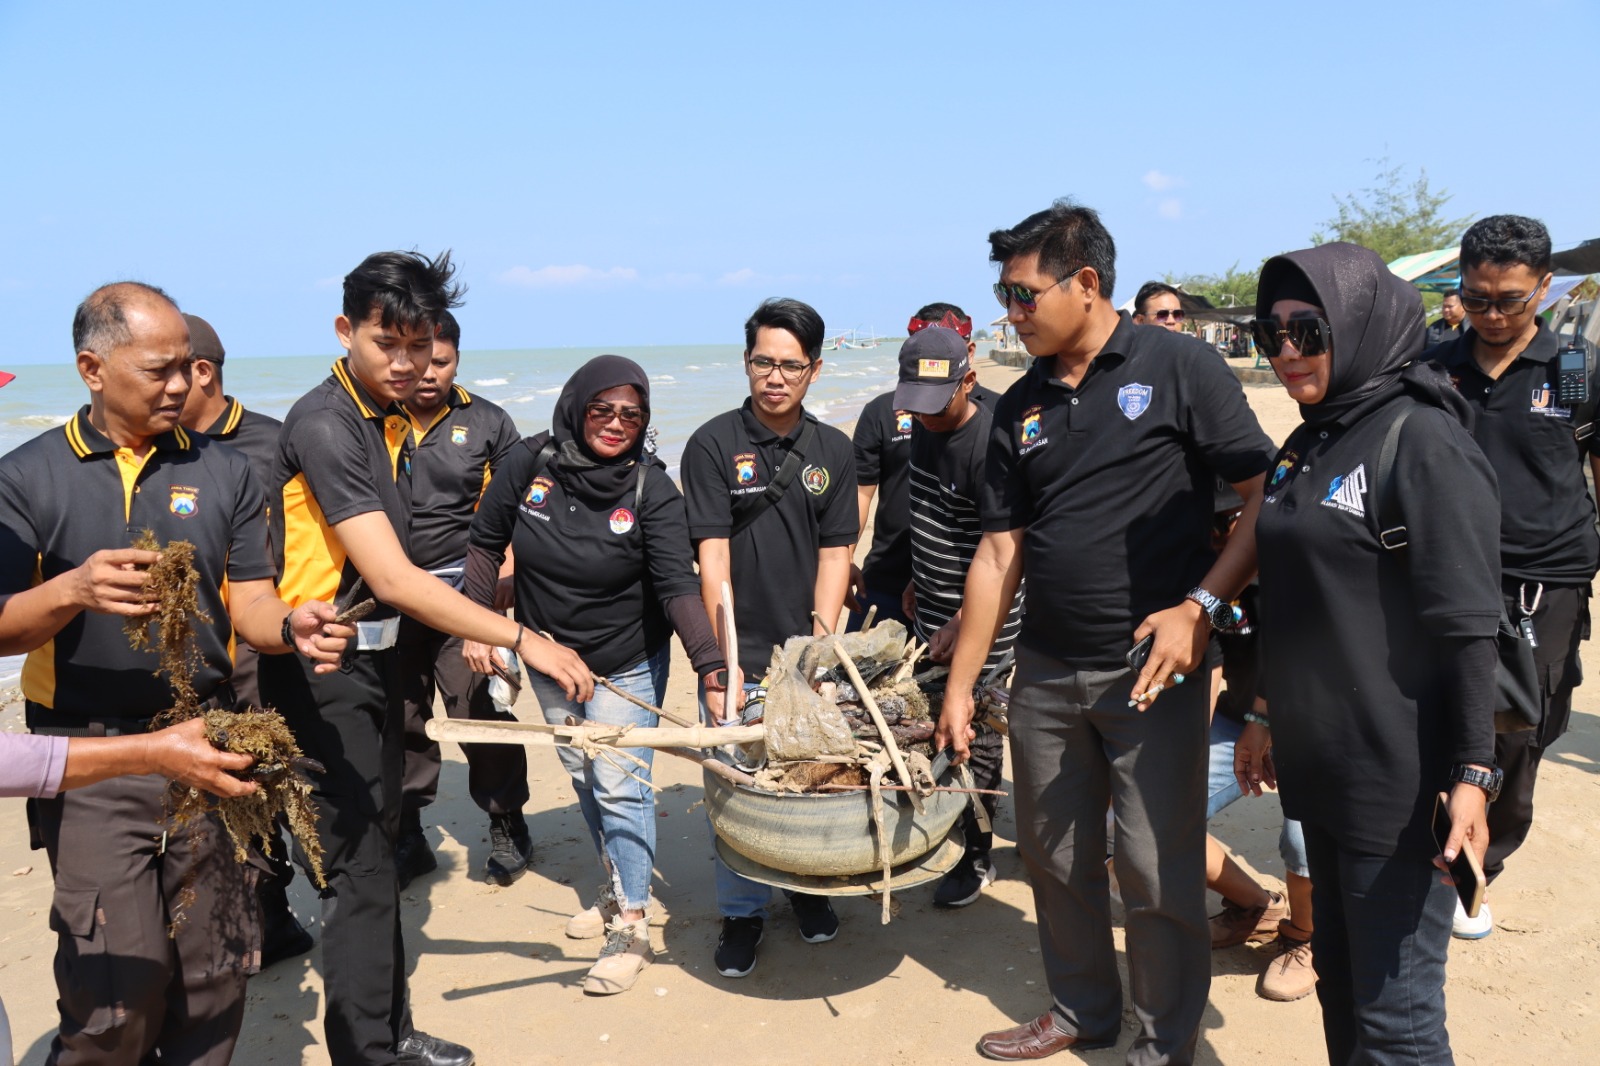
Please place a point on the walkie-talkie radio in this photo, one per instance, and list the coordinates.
(1573, 370)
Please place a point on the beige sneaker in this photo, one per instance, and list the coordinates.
(588, 924)
(627, 951)
(1289, 976)
(1239, 925)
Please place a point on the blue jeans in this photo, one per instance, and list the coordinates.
(1222, 788)
(1383, 932)
(737, 897)
(620, 812)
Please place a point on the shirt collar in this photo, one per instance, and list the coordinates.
(1116, 348)
(368, 407)
(456, 397)
(228, 421)
(1541, 349)
(85, 440)
(759, 433)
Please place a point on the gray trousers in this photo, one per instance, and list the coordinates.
(1075, 746)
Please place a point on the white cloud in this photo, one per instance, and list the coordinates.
(742, 276)
(576, 274)
(1156, 181)
(1171, 207)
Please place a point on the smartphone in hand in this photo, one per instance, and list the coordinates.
(1465, 870)
(1139, 654)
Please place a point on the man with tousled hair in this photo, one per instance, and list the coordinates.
(155, 921)
(1505, 366)
(1110, 536)
(1158, 304)
(341, 499)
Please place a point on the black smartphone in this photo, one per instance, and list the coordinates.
(1465, 870)
(1139, 654)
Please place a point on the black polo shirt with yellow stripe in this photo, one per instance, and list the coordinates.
(340, 454)
(457, 451)
(71, 492)
(251, 432)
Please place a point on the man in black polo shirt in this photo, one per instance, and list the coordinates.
(341, 498)
(1157, 304)
(72, 500)
(1447, 327)
(459, 440)
(1505, 366)
(786, 553)
(212, 411)
(1099, 485)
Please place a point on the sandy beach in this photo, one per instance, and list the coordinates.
(491, 968)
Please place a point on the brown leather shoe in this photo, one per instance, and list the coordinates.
(1037, 1039)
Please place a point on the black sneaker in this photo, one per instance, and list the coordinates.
(736, 947)
(966, 882)
(420, 1049)
(818, 923)
(510, 848)
(413, 857)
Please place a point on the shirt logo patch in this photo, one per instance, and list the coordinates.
(538, 492)
(1285, 465)
(815, 479)
(902, 421)
(933, 368)
(1031, 425)
(1347, 492)
(1134, 400)
(744, 468)
(1543, 403)
(621, 521)
(185, 501)
(458, 435)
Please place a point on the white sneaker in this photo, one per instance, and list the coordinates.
(1465, 928)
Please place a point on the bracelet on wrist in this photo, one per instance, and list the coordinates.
(286, 634)
(1257, 719)
(516, 643)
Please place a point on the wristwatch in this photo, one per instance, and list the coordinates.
(717, 680)
(1490, 781)
(287, 632)
(1220, 615)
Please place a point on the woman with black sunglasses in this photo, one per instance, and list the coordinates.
(603, 565)
(1378, 543)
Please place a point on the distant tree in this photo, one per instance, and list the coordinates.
(981, 335)
(1232, 288)
(1394, 217)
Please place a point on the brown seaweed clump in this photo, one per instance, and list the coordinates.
(173, 584)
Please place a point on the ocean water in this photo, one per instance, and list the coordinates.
(688, 385)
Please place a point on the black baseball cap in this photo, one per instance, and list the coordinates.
(203, 340)
(932, 363)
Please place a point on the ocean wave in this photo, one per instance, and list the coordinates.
(549, 392)
(486, 382)
(663, 377)
(691, 366)
(42, 421)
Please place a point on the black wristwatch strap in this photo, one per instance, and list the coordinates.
(1490, 781)
(287, 632)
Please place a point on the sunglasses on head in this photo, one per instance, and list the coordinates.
(605, 412)
(1025, 297)
(1308, 336)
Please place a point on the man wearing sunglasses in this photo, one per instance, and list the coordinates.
(771, 496)
(459, 440)
(1505, 366)
(1158, 305)
(1099, 485)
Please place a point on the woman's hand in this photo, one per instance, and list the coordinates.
(1252, 760)
(560, 664)
(1469, 826)
(482, 658)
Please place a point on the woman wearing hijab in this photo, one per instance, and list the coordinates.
(1379, 608)
(603, 565)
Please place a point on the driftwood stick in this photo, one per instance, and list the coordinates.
(462, 731)
(826, 628)
(903, 788)
(877, 718)
(641, 704)
(866, 622)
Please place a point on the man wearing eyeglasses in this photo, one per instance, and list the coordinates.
(1099, 485)
(459, 440)
(771, 496)
(1505, 365)
(1157, 304)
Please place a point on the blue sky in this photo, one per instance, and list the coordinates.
(644, 174)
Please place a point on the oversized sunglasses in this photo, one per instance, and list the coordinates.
(603, 413)
(1025, 297)
(1508, 306)
(1308, 336)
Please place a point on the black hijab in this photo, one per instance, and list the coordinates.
(581, 472)
(1377, 323)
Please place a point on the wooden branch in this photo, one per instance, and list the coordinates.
(697, 736)
(637, 702)
(877, 717)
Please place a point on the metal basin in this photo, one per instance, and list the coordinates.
(832, 834)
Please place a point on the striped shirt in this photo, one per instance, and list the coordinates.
(946, 473)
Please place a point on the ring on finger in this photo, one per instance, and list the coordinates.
(1178, 679)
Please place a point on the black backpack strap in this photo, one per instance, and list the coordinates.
(638, 490)
(541, 455)
(780, 481)
(1391, 532)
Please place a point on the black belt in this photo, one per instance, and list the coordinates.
(49, 722)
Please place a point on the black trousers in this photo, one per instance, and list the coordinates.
(1560, 624)
(126, 988)
(351, 721)
(497, 774)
